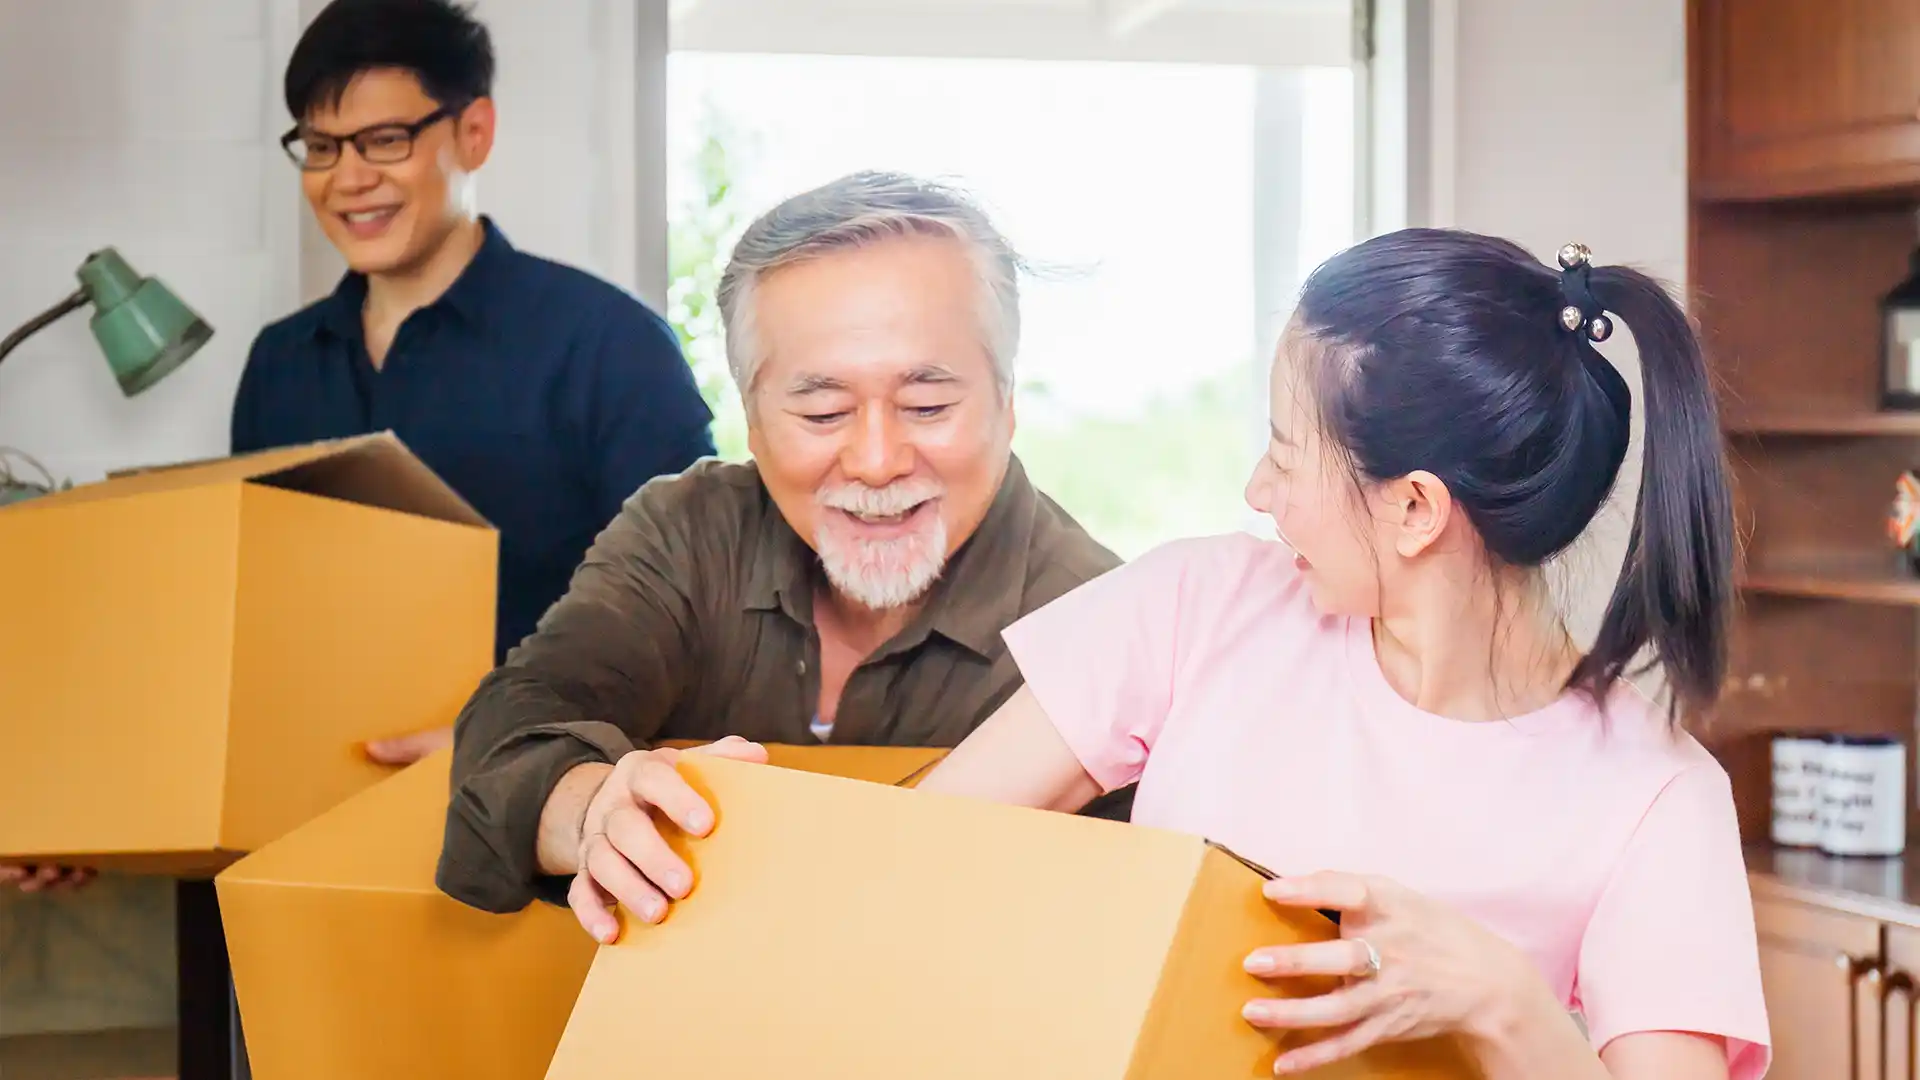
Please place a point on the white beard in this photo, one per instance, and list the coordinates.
(882, 574)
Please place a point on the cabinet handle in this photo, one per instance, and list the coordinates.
(1899, 982)
(1857, 968)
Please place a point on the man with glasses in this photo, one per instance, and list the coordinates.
(541, 394)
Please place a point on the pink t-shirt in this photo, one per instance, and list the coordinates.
(1606, 848)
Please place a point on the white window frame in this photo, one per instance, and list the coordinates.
(1405, 62)
(1256, 33)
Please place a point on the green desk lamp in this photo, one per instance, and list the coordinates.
(144, 330)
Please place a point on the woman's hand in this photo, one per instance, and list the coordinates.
(1415, 968)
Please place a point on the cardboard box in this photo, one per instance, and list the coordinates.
(190, 656)
(349, 962)
(859, 932)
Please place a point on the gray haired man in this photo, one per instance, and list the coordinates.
(848, 585)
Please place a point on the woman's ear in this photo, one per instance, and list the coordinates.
(1420, 508)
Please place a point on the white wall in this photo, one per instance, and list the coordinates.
(1273, 33)
(142, 124)
(152, 125)
(1569, 124)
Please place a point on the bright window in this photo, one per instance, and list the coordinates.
(1131, 187)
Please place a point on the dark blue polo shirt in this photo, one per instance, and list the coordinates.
(540, 393)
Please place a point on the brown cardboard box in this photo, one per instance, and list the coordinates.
(348, 962)
(859, 932)
(189, 656)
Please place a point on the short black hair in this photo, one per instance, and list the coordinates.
(439, 41)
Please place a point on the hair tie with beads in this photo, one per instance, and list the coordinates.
(1583, 311)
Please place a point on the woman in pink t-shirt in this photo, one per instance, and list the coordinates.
(1388, 712)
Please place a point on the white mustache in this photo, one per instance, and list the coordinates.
(895, 498)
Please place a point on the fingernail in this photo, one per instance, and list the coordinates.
(674, 882)
(652, 911)
(1261, 964)
(1256, 1012)
(699, 821)
(1277, 889)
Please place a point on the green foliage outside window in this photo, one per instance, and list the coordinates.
(700, 232)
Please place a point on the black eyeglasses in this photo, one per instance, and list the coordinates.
(379, 144)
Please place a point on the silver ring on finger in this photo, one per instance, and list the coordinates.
(1373, 959)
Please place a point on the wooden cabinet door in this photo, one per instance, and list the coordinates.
(1900, 994)
(1805, 96)
(1821, 972)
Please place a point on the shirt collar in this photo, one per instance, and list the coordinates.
(469, 295)
(978, 595)
(783, 567)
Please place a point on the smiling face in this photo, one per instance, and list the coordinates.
(390, 216)
(1305, 490)
(1353, 541)
(874, 415)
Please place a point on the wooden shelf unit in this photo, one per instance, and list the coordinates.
(1816, 419)
(1828, 635)
(1805, 182)
(1877, 579)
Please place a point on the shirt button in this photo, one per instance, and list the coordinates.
(800, 667)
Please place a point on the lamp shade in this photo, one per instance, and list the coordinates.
(144, 330)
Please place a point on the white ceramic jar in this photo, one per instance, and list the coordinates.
(1863, 796)
(1799, 761)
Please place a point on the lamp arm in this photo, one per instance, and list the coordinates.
(42, 321)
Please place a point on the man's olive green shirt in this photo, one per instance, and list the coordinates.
(692, 618)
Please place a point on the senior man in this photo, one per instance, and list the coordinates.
(847, 586)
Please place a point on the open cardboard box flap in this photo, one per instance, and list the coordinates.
(196, 652)
(372, 470)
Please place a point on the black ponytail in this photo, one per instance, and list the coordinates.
(1675, 592)
(1464, 355)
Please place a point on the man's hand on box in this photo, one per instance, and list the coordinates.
(33, 878)
(409, 748)
(622, 857)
